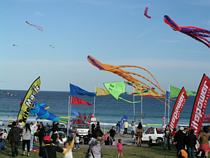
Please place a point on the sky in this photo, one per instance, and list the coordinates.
(113, 31)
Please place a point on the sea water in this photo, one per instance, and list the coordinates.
(107, 109)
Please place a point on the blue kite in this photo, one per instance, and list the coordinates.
(42, 113)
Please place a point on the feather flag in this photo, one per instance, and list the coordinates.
(75, 90)
(200, 104)
(28, 101)
(77, 101)
(101, 92)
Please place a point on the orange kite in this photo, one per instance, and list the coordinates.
(140, 86)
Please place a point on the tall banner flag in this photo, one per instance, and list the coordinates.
(200, 103)
(77, 101)
(75, 90)
(28, 101)
(177, 109)
(101, 92)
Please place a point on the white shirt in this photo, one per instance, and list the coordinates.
(26, 134)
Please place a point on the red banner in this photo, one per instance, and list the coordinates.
(177, 109)
(77, 101)
(200, 103)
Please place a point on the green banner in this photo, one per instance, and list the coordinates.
(28, 101)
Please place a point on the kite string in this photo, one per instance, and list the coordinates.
(128, 101)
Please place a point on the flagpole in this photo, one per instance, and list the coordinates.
(134, 108)
(164, 119)
(94, 105)
(168, 102)
(68, 115)
(141, 109)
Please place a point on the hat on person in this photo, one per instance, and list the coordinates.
(181, 128)
(47, 138)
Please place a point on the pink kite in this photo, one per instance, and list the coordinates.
(197, 33)
(146, 13)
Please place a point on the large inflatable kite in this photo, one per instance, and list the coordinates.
(42, 113)
(197, 33)
(141, 84)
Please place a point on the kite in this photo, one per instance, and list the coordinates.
(14, 45)
(42, 113)
(197, 33)
(140, 85)
(146, 13)
(50, 45)
(36, 26)
(116, 89)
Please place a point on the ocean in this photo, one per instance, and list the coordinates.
(107, 109)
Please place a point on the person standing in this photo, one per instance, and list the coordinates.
(77, 141)
(139, 133)
(133, 129)
(126, 127)
(41, 133)
(112, 133)
(14, 138)
(191, 142)
(203, 138)
(94, 150)
(118, 127)
(167, 137)
(119, 148)
(179, 140)
(33, 127)
(26, 139)
(49, 150)
(98, 130)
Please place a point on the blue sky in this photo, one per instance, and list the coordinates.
(113, 31)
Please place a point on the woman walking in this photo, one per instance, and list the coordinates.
(26, 139)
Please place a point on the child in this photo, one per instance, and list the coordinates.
(119, 148)
(77, 141)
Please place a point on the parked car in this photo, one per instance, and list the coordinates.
(153, 134)
(81, 129)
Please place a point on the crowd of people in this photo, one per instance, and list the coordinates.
(47, 137)
(49, 141)
(187, 144)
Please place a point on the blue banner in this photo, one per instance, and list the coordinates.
(75, 90)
